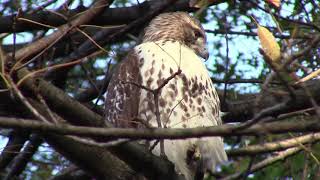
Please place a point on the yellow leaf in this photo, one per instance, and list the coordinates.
(269, 44)
(275, 3)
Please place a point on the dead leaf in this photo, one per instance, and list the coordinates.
(269, 44)
(275, 3)
(200, 3)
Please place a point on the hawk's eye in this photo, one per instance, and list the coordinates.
(197, 34)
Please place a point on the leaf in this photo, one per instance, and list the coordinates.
(269, 44)
(275, 3)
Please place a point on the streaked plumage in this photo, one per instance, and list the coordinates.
(171, 41)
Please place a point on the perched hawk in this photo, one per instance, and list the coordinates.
(170, 55)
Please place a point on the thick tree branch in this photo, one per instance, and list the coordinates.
(20, 162)
(162, 133)
(72, 173)
(13, 147)
(97, 161)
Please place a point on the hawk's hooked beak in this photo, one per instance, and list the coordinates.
(204, 54)
(200, 48)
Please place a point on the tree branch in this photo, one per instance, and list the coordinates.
(267, 162)
(274, 146)
(13, 147)
(242, 110)
(161, 133)
(24, 157)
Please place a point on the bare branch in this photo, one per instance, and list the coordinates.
(13, 147)
(24, 157)
(275, 146)
(162, 133)
(252, 34)
(267, 162)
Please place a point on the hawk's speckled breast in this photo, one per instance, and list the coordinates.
(188, 100)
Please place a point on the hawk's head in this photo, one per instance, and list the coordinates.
(178, 26)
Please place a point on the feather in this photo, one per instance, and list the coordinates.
(187, 100)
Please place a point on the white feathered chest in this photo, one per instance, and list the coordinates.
(186, 101)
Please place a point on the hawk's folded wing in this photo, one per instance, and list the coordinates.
(122, 99)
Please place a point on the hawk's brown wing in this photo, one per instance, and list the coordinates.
(122, 99)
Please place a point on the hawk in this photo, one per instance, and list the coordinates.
(170, 56)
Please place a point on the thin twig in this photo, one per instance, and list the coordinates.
(265, 112)
(24, 100)
(91, 142)
(226, 72)
(275, 146)
(266, 162)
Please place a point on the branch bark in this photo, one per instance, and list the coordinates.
(162, 133)
(13, 147)
(24, 157)
(275, 146)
